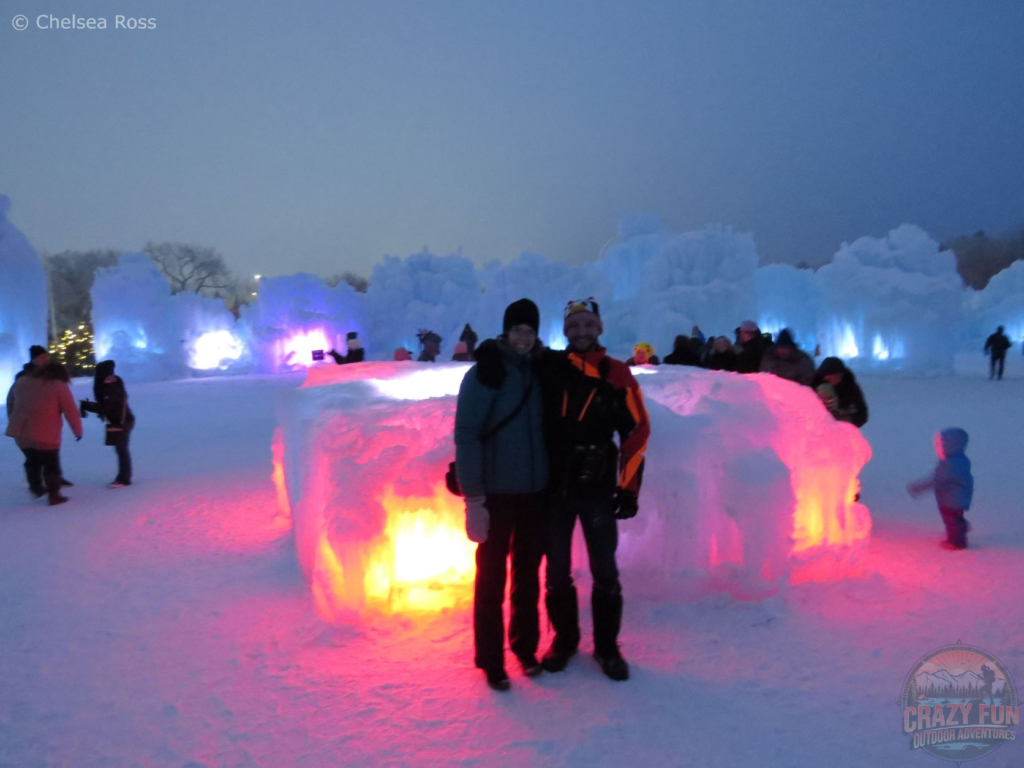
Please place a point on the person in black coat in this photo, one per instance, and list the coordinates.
(469, 338)
(721, 356)
(683, 352)
(111, 405)
(354, 350)
(750, 347)
(996, 345)
(849, 405)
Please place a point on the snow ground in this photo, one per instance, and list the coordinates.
(167, 623)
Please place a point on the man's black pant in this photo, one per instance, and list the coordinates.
(600, 530)
(42, 470)
(517, 526)
(999, 360)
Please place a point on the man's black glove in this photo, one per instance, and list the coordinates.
(626, 504)
(490, 371)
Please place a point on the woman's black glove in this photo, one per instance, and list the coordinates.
(490, 371)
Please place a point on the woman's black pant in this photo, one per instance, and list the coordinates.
(124, 459)
(517, 527)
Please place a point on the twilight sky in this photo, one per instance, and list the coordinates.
(319, 135)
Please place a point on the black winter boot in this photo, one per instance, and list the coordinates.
(612, 664)
(607, 611)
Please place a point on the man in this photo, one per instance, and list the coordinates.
(589, 397)
(750, 347)
(39, 357)
(787, 361)
(996, 345)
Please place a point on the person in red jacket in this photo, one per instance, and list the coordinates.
(589, 399)
(35, 406)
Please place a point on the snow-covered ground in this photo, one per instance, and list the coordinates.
(168, 624)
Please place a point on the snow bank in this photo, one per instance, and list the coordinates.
(745, 477)
(22, 297)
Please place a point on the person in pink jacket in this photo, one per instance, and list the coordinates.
(36, 407)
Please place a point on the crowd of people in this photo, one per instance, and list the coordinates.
(752, 351)
(38, 404)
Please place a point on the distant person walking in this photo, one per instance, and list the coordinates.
(111, 405)
(36, 405)
(996, 346)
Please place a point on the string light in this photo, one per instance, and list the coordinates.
(74, 349)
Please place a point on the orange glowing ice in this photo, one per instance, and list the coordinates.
(421, 562)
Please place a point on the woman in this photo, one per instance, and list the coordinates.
(112, 406)
(36, 404)
(502, 467)
(847, 400)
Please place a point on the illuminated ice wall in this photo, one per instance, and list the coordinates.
(891, 302)
(23, 298)
(297, 315)
(788, 297)
(749, 482)
(135, 322)
(665, 283)
(440, 293)
(1001, 302)
(550, 284)
(212, 342)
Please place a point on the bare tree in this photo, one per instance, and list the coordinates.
(194, 268)
(71, 276)
(358, 282)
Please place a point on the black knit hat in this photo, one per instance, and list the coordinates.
(522, 312)
(35, 351)
(832, 365)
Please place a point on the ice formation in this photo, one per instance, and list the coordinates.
(422, 291)
(211, 339)
(746, 477)
(1001, 302)
(889, 303)
(892, 301)
(23, 297)
(134, 320)
(297, 315)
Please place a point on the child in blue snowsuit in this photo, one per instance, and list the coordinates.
(952, 483)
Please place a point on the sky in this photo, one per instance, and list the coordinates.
(319, 136)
